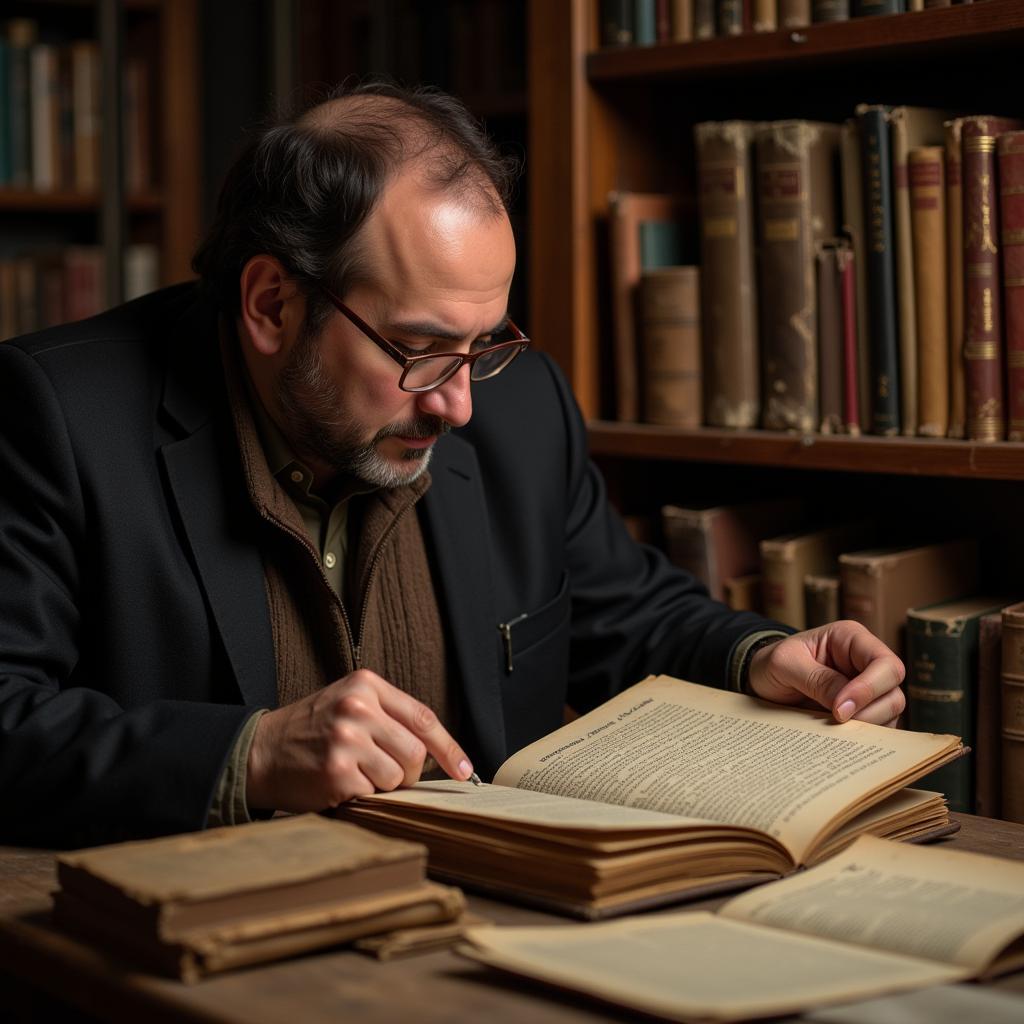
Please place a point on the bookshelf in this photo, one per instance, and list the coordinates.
(152, 124)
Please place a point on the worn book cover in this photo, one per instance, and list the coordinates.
(821, 600)
(988, 757)
(1013, 713)
(955, 277)
(1010, 156)
(830, 336)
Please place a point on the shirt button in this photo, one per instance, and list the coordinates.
(297, 476)
(330, 560)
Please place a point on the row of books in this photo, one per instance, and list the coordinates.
(646, 22)
(923, 601)
(50, 114)
(53, 286)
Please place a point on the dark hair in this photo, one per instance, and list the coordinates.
(303, 187)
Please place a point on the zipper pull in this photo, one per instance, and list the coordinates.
(505, 628)
(357, 656)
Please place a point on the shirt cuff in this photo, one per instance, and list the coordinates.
(739, 667)
(229, 806)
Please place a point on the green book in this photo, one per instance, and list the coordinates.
(661, 244)
(942, 678)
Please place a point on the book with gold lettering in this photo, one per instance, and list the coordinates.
(668, 791)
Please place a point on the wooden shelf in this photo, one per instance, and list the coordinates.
(64, 201)
(895, 455)
(938, 31)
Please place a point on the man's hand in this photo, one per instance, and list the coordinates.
(355, 737)
(841, 666)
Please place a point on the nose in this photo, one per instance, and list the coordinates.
(452, 401)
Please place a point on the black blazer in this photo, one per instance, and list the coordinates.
(134, 633)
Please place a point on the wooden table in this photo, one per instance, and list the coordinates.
(50, 976)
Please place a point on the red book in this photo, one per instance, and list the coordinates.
(1010, 155)
(848, 298)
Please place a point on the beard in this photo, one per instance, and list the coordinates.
(318, 426)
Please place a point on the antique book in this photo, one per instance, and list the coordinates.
(854, 229)
(628, 212)
(876, 167)
(869, 8)
(786, 560)
(45, 117)
(794, 13)
(879, 918)
(1010, 159)
(830, 10)
(796, 202)
(721, 542)
(830, 336)
(942, 664)
(204, 902)
(744, 593)
(681, 20)
(821, 600)
(878, 586)
(928, 226)
(670, 349)
(704, 19)
(728, 307)
(988, 753)
(617, 23)
(955, 278)
(1012, 724)
(85, 102)
(729, 17)
(910, 128)
(983, 325)
(645, 32)
(766, 15)
(667, 790)
(846, 266)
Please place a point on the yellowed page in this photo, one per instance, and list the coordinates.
(943, 905)
(691, 750)
(695, 965)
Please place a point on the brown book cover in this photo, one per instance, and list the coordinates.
(853, 227)
(681, 15)
(821, 600)
(44, 94)
(794, 13)
(627, 212)
(732, 376)
(704, 19)
(722, 542)
(744, 593)
(988, 755)
(910, 128)
(830, 336)
(796, 210)
(787, 560)
(670, 333)
(85, 103)
(878, 586)
(138, 126)
(955, 277)
(928, 223)
(846, 264)
(729, 16)
(983, 325)
(766, 15)
(1012, 724)
(1010, 156)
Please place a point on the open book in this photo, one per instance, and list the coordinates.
(878, 918)
(666, 791)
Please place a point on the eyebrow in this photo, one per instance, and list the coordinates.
(429, 329)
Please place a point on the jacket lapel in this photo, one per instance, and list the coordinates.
(456, 521)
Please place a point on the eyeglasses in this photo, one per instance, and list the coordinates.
(431, 370)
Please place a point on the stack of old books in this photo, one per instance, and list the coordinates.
(196, 904)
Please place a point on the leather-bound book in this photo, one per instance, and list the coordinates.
(821, 600)
(796, 174)
(730, 357)
(1013, 713)
(854, 229)
(794, 13)
(681, 20)
(704, 19)
(830, 337)
(1010, 155)
(869, 8)
(617, 23)
(729, 17)
(983, 325)
(988, 755)
(846, 264)
(744, 593)
(928, 220)
(830, 10)
(910, 128)
(876, 165)
(670, 333)
(766, 15)
(955, 277)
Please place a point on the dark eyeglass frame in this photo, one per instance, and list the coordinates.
(520, 343)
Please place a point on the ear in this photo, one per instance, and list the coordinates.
(272, 307)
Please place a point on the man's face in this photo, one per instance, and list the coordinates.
(439, 276)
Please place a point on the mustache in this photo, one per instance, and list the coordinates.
(420, 429)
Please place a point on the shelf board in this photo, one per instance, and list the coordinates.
(969, 27)
(13, 200)
(891, 455)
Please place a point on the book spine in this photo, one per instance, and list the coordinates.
(939, 697)
(846, 264)
(682, 20)
(830, 339)
(617, 23)
(983, 355)
(1010, 155)
(729, 17)
(670, 328)
(45, 117)
(645, 17)
(743, 593)
(928, 216)
(881, 275)
(862, 596)
(783, 589)
(732, 379)
(869, 8)
(794, 13)
(830, 10)
(704, 19)
(987, 781)
(906, 297)
(955, 278)
(766, 15)
(929, 4)
(1013, 714)
(821, 600)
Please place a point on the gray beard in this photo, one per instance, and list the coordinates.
(317, 424)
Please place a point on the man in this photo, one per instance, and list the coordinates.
(229, 582)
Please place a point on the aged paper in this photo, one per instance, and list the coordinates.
(693, 751)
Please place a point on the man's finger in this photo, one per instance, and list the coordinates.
(881, 678)
(884, 710)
